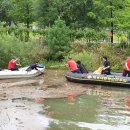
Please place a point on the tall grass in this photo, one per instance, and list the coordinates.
(91, 56)
(27, 52)
(89, 59)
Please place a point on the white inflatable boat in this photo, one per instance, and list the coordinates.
(22, 73)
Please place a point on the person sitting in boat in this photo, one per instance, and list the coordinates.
(81, 67)
(33, 66)
(72, 65)
(126, 69)
(106, 66)
(13, 63)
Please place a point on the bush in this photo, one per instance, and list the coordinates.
(92, 57)
(27, 52)
(58, 40)
(89, 59)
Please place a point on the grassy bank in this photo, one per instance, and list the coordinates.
(90, 54)
(27, 52)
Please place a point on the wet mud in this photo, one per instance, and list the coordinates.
(22, 100)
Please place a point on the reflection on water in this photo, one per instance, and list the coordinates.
(100, 108)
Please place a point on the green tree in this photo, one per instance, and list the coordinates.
(58, 40)
(5, 6)
(110, 8)
(73, 12)
(124, 17)
(22, 11)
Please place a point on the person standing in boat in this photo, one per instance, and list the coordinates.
(126, 69)
(72, 65)
(81, 67)
(13, 63)
(106, 66)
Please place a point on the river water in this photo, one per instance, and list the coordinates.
(96, 108)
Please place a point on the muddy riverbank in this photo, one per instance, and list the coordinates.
(48, 102)
(51, 85)
(18, 99)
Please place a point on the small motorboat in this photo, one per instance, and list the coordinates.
(115, 79)
(22, 73)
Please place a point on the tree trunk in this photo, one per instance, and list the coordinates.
(27, 23)
(112, 24)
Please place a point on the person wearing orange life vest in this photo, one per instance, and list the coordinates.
(13, 63)
(72, 65)
(126, 69)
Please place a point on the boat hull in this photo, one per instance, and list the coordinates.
(22, 73)
(112, 80)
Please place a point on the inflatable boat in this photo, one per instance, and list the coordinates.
(115, 79)
(22, 73)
